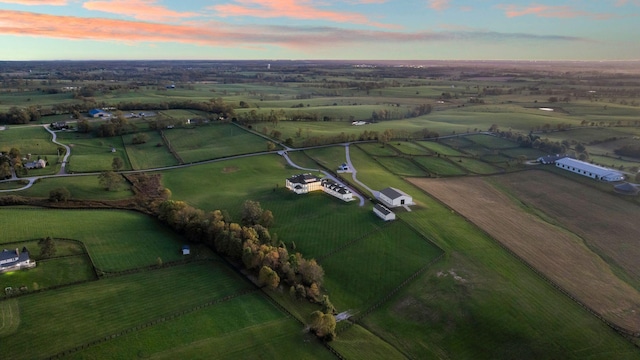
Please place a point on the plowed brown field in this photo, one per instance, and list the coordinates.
(557, 253)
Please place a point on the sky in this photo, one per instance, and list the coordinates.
(320, 29)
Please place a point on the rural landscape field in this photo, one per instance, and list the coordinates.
(155, 199)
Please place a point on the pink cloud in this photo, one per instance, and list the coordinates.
(295, 9)
(137, 9)
(20, 23)
(551, 11)
(36, 2)
(439, 4)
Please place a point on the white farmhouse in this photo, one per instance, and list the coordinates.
(303, 183)
(393, 197)
(383, 212)
(589, 170)
(15, 260)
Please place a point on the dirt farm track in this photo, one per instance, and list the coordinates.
(583, 227)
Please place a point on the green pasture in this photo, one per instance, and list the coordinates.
(97, 309)
(410, 148)
(612, 162)
(371, 172)
(116, 240)
(81, 187)
(331, 157)
(401, 166)
(91, 154)
(491, 142)
(358, 343)
(11, 185)
(50, 272)
(33, 140)
(300, 158)
(439, 166)
(24, 99)
(318, 223)
(475, 166)
(214, 141)
(496, 158)
(221, 331)
(397, 253)
(377, 149)
(225, 185)
(609, 147)
(437, 147)
(152, 154)
(529, 153)
(182, 114)
(588, 134)
(457, 142)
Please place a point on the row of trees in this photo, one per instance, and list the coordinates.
(249, 243)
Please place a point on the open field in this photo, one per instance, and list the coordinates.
(438, 148)
(545, 246)
(116, 240)
(376, 149)
(213, 141)
(152, 154)
(90, 154)
(439, 166)
(402, 166)
(97, 309)
(606, 223)
(80, 187)
(410, 148)
(475, 166)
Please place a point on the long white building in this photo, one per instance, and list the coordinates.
(589, 170)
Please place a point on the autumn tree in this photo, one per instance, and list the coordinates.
(117, 164)
(268, 277)
(323, 325)
(59, 194)
(109, 180)
(251, 212)
(47, 247)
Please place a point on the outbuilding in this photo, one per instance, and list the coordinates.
(589, 170)
(383, 212)
(393, 197)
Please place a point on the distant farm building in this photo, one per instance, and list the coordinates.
(550, 159)
(306, 183)
(186, 250)
(393, 197)
(38, 164)
(589, 170)
(344, 168)
(11, 260)
(383, 212)
(627, 189)
(98, 113)
(59, 125)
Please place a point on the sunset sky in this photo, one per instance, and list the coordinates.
(320, 29)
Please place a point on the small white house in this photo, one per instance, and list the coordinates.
(589, 170)
(186, 250)
(39, 164)
(303, 183)
(393, 197)
(344, 168)
(383, 212)
(11, 260)
(337, 190)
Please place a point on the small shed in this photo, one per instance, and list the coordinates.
(186, 250)
(383, 212)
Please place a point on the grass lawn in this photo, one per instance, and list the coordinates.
(221, 330)
(492, 142)
(96, 309)
(33, 140)
(439, 148)
(148, 155)
(116, 240)
(410, 148)
(301, 158)
(11, 185)
(530, 153)
(397, 252)
(214, 141)
(401, 166)
(377, 149)
(476, 166)
(80, 187)
(439, 166)
(358, 343)
(331, 157)
(91, 154)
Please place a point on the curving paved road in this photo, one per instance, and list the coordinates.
(354, 172)
(63, 167)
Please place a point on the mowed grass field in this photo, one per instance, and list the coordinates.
(214, 141)
(94, 310)
(545, 246)
(34, 140)
(90, 154)
(80, 187)
(152, 154)
(116, 240)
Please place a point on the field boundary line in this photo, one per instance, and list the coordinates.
(150, 323)
(352, 242)
(172, 151)
(620, 330)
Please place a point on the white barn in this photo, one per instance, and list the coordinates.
(11, 260)
(589, 170)
(337, 190)
(383, 212)
(393, 197)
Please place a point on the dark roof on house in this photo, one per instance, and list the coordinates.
(303, 179)
(382, 209)
(392, 193)
(10, 257)
(550, 159)
(328, 183)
